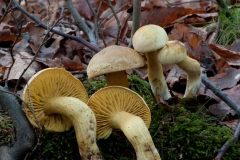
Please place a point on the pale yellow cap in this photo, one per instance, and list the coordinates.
(114, 58)
(149, 38)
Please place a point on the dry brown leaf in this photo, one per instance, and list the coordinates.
(35, 33)
(228, 79)
(7, 35)
(110, 28)
(197, 5)
(20, 64)
(231, 123)
(63, 62)
(5, 61)
(231, 56)
(84, 10)
(207, 94)
(221, 65)
(174, 76)
(169, 15)
(197, 20)
(192, 37)
(222, 108)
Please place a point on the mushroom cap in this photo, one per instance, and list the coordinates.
(50, 83)
(173, 52)
(114, 58)
(110, 100)
(149, 38)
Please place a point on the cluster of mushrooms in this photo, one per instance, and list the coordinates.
(60, 101)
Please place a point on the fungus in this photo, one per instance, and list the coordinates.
(148, 39)
(59, 102)
(174, 52)
(117, 107)
(113, 61)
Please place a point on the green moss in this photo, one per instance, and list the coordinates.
(6, 129)
(177, 132)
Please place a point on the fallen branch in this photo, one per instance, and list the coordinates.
(42, 25)
(81, 23)
(226, 146)
(25, 136)
(231, 104)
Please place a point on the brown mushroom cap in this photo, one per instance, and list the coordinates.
(112, 59)
(108, 101)
(173, 52)
(50, 83)
(149, 38)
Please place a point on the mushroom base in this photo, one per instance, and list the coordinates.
(137, 133)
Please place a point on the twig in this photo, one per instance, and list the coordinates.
(42, 25)
(6, 12)
(36, 54)
(95, 16)
(115, 8)
(226, 146)
(118, 22)
(122, 41)
(11, 50)
(136, 19)
(219, 93)
(81, 23)
(231, 104)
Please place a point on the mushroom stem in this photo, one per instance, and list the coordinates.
(137, 133)
(83, 120)
(193, 70)
(118, 78)
(156, 77)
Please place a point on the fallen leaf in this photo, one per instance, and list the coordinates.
(191, 36)
(227, 79)
(22, 61)
(231, 123)
(168, 15)
(231, 56)
(221, 109)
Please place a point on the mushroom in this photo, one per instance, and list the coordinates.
(59, 102)
(174, 52)
(114, 61)
(117, 107)
(148, 39)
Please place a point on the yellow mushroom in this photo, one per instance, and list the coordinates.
(149, 39)
(113, 61)
(59, 102)
(174, 52)
(117, 107)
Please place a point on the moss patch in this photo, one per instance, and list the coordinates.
(6, 129)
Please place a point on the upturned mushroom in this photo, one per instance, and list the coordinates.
(174, 52)
(59, 102)
(148, 39)
(113, 61)
(119, 108)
